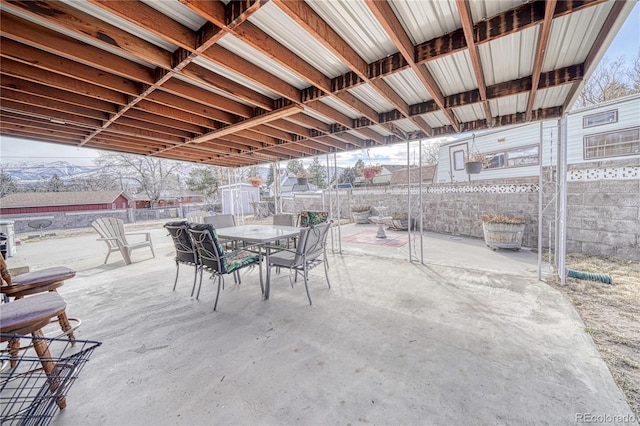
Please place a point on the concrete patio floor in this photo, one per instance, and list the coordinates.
(471, 338)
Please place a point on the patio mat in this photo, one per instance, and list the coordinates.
(394, 238)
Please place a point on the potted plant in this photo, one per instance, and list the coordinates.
(473, 162)
(255, 181)
(503, 231)
(370, 171)
(361, 213)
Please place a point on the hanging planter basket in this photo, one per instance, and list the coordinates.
(473, 167)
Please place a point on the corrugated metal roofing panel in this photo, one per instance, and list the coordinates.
(435, 119)
(425, 20)
(521, 45)
(371, 97)
(340, 107)
(508, 105)
(235, 77)
(454, 73)
(382, 130)
(408, 86)
(355, 23)
(570, 43)
(261, 60)
(178, 12)
(552, 97)
(471, 112)
(120, 23)
(482, 9)
(286, 31)
(406, 125)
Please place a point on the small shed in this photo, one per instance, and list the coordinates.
(237, 198)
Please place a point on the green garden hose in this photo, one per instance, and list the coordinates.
(605, 278)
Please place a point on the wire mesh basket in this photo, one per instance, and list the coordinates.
(32, 387)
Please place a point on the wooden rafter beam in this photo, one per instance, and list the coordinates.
(306, 17)
(467, 28)
(249, 123)
(266, 44)
(541, 48)
(389, 21)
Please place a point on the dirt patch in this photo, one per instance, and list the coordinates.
(611, 314)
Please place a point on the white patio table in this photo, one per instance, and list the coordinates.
(261, 235)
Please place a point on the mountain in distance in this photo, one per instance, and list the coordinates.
(34, 172)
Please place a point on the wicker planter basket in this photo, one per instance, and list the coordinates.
(503, 235)
(361, 217)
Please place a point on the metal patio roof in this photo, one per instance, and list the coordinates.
(247, 82)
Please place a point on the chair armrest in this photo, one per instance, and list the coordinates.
(277, 249)
(107, 239)
(146, 234)
(138, 233)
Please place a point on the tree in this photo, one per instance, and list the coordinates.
(294, 165)
(203, 180)
(634, 74)
(97, 182)
(610, 80)
(152, 175)
(317, 174)
(430, 152)
(7, 184)
(270, 177)
(358, 166)
(55, 184)
(348, 175)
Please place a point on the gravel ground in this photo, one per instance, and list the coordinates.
(611, 314)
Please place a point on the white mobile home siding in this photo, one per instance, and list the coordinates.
(499, 141)
(628, 112)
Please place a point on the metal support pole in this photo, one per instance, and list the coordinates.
(420, 216)
(409, 199)
(562, 202)
(540, 201)
(335, 171)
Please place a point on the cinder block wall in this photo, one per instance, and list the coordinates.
(603, 218)
(603, 215)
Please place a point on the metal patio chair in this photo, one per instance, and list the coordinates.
(217, 261)
(310, 252)
(186, 253)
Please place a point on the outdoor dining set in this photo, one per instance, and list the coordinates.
(217, 245)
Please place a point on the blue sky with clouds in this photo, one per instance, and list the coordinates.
(626, 44)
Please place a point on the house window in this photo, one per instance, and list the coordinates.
(495, 161)
(517, 157)
(527, 156)
(600, 118)
(612, 144)
(113, 206)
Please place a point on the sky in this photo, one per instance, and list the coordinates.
(12, 150)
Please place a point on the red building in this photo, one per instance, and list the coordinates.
(49, 202)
